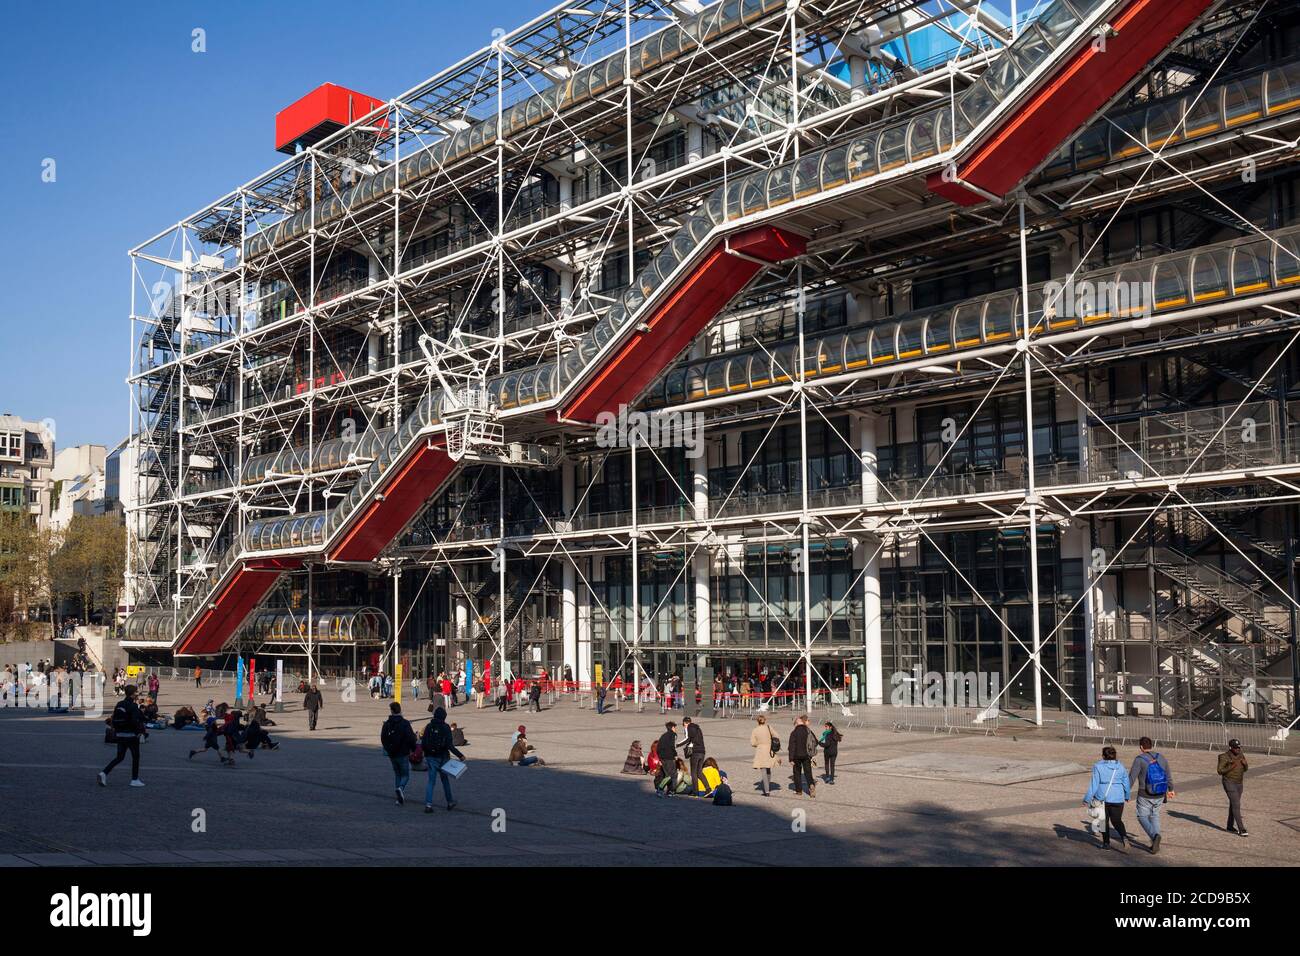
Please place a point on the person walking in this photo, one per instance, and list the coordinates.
(803, 744)
(766, 746)
(1232, 769)
(1109, 789)
(694, 751)
(313, 703)
(1150, 779)
(128, 726)
(438, 749)
(198, 676)
(830, 749)
(398, 740)
(415, 688)
(535, 698)
(600, 698)
(668, 756)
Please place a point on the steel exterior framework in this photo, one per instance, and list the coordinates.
(251, 357)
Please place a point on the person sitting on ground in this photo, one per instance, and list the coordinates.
(259, 715)
(256, 737)
(681, 781)
(652, 762)
(458, 736)
(524, 754)
(635, 762)
(183, 717)
(710, 777)
(150, 710)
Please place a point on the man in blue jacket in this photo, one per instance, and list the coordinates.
(1152, 781)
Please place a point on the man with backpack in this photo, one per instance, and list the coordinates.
(803, 744)
(398, 740)
(439, 747)
(128, 726)
(1150, 779)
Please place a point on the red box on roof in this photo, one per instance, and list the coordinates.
(324, 110)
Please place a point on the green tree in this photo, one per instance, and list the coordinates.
(25, 565)
(90, 564)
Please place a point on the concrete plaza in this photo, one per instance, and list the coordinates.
(326, 797)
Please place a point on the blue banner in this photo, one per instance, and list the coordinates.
(469, 678)
(239, 681)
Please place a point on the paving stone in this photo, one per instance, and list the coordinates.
(55, 859)
(973, 768)
(159, 856)
(111, 858)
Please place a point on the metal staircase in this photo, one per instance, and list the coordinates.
(1244, 600)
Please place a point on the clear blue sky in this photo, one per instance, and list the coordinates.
(145, 132)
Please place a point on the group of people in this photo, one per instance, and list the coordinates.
(224, 729)
(21, 679)
(679, 767)
(517, 691)
(1149, 781)
(692, 773)
(801, 748)
(435, 747)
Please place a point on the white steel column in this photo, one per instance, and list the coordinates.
(1031, 495)
(804, 518)
(702, 562)
(569, 597)
(636, 583)
(694, 142)
(585, 671)
(874, 692)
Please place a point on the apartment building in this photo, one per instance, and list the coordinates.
(26, 463)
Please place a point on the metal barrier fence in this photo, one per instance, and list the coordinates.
(1178, 733)
(949, 720)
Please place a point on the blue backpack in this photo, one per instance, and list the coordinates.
(1157, 779)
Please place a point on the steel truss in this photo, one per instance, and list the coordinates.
(256, 357)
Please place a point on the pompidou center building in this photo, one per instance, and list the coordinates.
(839, 341)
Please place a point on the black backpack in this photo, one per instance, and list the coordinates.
(391, 737)
(722, 796)
(122, 721)
(436, 740)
